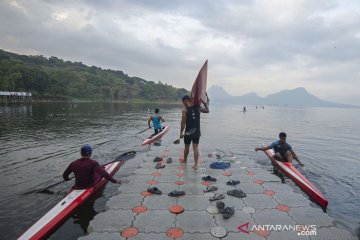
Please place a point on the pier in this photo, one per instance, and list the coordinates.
(15, 97)
(270, 210)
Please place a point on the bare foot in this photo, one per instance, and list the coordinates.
(195, 167)
(183, 161)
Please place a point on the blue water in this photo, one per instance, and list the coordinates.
(38, 142)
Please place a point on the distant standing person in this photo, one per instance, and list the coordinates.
(283, 150)
(190, 122)
(244, 110)
(156, 118)
(87, 172)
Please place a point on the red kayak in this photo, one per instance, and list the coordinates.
(290, 171)
(48, 223)
(198, 91)
(154, 137)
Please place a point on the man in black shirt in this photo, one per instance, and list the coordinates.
(190, 121)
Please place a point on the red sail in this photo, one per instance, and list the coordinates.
(198, 91)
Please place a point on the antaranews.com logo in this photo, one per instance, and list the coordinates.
(301, 230)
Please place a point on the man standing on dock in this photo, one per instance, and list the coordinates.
(190, 121)
(283, 151)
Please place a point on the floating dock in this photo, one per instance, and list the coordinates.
(271, 210)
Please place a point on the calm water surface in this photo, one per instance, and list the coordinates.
(39, 141)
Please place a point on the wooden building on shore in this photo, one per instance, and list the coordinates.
(15, 97)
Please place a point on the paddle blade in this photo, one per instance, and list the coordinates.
(177, 141)
(31, 191)
(125, 156)
(142, 131)
(38, 191)
(47, 191)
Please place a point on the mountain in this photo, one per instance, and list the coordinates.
(218, 94)
(297, 97)
(249, 98)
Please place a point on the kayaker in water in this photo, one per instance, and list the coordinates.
(87, 172)
(190, 122)
(156, 118)
(283, 150)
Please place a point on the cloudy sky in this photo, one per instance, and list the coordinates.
(261, 46)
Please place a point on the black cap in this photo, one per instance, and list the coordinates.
(185, 97)
(282, 134)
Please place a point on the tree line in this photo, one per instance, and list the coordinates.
(55, 79)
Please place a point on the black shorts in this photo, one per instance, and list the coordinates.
(283, 156)
(193, 139)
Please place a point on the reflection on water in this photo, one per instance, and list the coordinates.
(37, 143)
(84, 215)
(86, 212)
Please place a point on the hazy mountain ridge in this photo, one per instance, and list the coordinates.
(297, 97)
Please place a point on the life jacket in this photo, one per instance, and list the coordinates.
(193, 120)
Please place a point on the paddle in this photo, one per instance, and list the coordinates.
(143, 131)
(124, 156)
(190, 132)
(177, 141)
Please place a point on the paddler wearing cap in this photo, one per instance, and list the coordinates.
(87, 172)
(283, 150)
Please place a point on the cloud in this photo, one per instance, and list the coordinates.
(252, 46)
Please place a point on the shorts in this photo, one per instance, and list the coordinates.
(283, 156)
(193, 139)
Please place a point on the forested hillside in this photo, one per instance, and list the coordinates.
(55, 79)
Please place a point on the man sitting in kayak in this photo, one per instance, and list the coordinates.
(190, 121)
(283, 151)
(87, 172)
(156, 121)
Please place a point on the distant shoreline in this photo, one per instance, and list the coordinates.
(136, 101)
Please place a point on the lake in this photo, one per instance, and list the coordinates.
(38, 142)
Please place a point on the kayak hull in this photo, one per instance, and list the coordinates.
(154, 137)
(291, 172)
(198, 90)
(56, 216)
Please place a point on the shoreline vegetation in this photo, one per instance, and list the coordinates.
(53, 79)
(132, 101)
